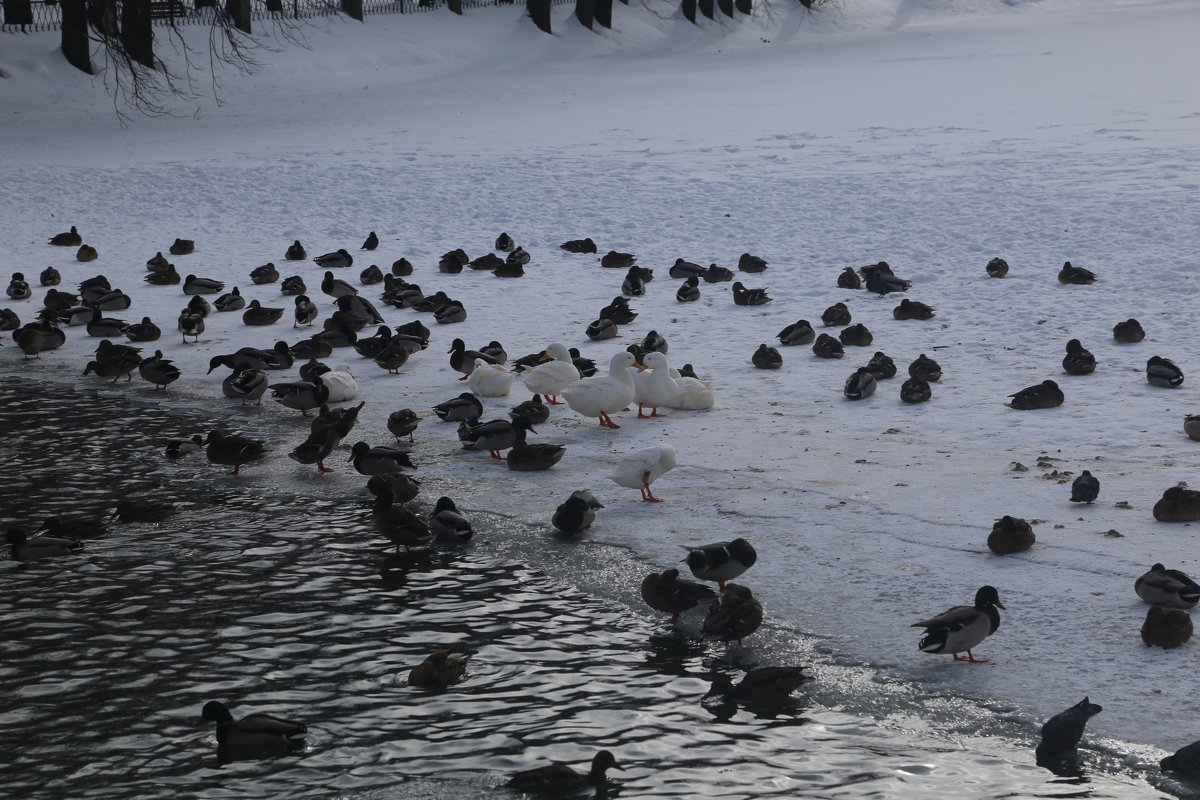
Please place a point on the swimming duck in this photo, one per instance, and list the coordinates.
(617, 260)
(734, 615)
(1010, 535)
(925, 368)
(633, 285)
(601, 396)
(760, 684)
(182, 247)
(301, 395)
(50, 277)
(997, 268)
(25, 549)
(158, 370)
(837, 314)
(577, 513)
(495, 435)
(826, 346)
(618, 311)
(296, 252)
(371, 276)
(685, 269)
(911, 309)
(601, 329)
(465, 406)
(1062, 732)
(848, 279)
(859, 385)
(371, 242)
(856, 335)
(1191, 426)
(881, 366)
(1167, 628)
(232, 450)
(799, 332)
(198, 305)
(1129, 332)
(667, 592)
(18, 287)
(489, 380)
(1085, 488)
(439, 670)
(1167, 587)
(338, 259)
(178, 448)
(533, 456)
(230, 301)
(1078, 361)
(1185, 759)
(640, 469)
(881, 283)
(715, 274)
(1044, 395)
(579, 246)
(245, 384)
(86, 253)
(766, 358)
(533, 410)
(1075, 275)
(71, 238)
(561, 779)
(377, 460)
(252, 731)
(749, 297)
(316, 448)
(962, 628)
(1163, 372)
(721, 561)
(292, 286)
(749, 263)
(447, 524)
(553, 375)
(1178, 504)
(258, 314)
(194, 285)
(689, 291)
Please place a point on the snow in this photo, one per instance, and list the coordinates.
(933, 135)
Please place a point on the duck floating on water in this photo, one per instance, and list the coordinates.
(561, 779)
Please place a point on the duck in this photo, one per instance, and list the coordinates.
(459, 409)
(265, 274)
(848, 279)
(464, 360)
(245, 384)
(996, 268)
(1085, 488)
(371, 346)
(614, 259)
(105, 327)
(305, 311)
(182, 247)
(59, 301)
(112, 300)
(371, 276)
(22, 548)
(1062, 732)
(762, 684)
(1178, 504)
(158, 263)
(577, 513)
(1043, 395)
(178, 448)
(232, 450)
(112, 369)
(1185, 759)
(295, 252)
(369, 460)
(716, 274)
(439, 670)
(18, 287)
(825, 346)
(749, 263)
(553, 375)
(1075, 275)
(1163, 372)
(882, 366)
(513, 266)
(734, 615)
(586, 366)
(961, 628)
(495, 435)
(292, 286)
(53, 336)
(618, 311)
(688, 291)
(860, 385)
(766, 357)
(257, 314)
(666, 592)
(533, 456)
(505, 243)
(230, 301)
(836, 315)
(194, 285)
(911, 309)
(340, 336)
(720, 561)
(158, 370)
(640, 469)
(198, 305)
(856, 335)
(579, 246)
(336, 287)
(403, 423)
(533, 410)
(371, 242)
(799, 332)
(1167, 587)
(447, 524)
(601, 329)
(654, 387)
(691, 393)
(685, 269)
(453, 261)
(562, 779)
(31, 339)
(487, 261)
(71, 238)
(86, 253)
(252, 731)
(340, 420)
(342, 384)
(925, 368)
(50, 277)
(1167, 628)
(396, 488)
(1010, 535)
(392, 358)
(408, 297)
(1191, 426)
(312, 348)
(603, 395)
(489, 380)
(301, 395)
(749, 297)
(450, 313)
(338, 259)
(882, 283)
(316, 448)
(360, 307)
(1078, 361)
(633, 285)
(1129, 332)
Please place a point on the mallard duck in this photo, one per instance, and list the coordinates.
(245, 384)
(766, 357)
(1078, 361)
(1185, 759)
(799, 332)
(489, 380)
(618, 311)
(338, 259)
(230, 301)
(360, 307)
(109, 352)
(734, 615)
(112, 300)
(1178, 504)
(665, 591)
(825, 346)
(1167, 587)
(533, 410)
(640, 469)
(371, 276)
(393, 357)
(721, 561)
(31, 340)
(158, 370)
(178, 448)
(232, 450)
(312, 367)
(577, 513)
(50, 277)
(258, 314)
(265, 274)
(403, 423)
(112, 369)
(396, 488)
(1044, 395)
(52, 336)
(1062, 732)
(601, 329)
(495, 435)
(316, 448)
(603, 395)
(182, 247)
(369, 460)
(340, 420)
(104, 327)
(71, 238)
(614, 259)
(296, 252)
(1085, 488)
(465, 406)
(749, 297)
(57, 301)
(450, 313)
(685, 269)
(848, 279)
(336, 287)
(1167, 628)
(86, 253)
(1163, 372)
(198, 305)
(1010, 535)
(447, 524)
(1129, 332)
(579, 246)
(911, 309)
(18, 288)
(371, 346)
(252, 731)
(925, 368)
(190, 324)
(881, 366)
(408, 297)
(301, 395)
(961, 628)
(836, 315)
(997, 268)
(1191, 426)
(453, 261)
(856, 335)
(193, 285)
(749, 263)
(1075, 275)
(533, 457)
(561, 779)
(305, 312)
(860, 385)
(716, 274)
(25, 549)
(464, 360)
(882, 283)
(340, 336)
(402, 268)
(292, 286)
(505, 243)
(760, 684)
(689, 290)
(633, 285)
(439, 670)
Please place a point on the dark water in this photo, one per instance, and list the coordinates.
(261, 595)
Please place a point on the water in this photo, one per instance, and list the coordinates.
(290, 600)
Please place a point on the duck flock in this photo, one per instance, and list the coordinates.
(339, 320)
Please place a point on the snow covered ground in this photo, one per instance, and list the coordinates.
(933, 135)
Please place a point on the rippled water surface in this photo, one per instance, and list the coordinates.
(271, 600)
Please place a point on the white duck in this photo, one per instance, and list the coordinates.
(655, 386)
(341, 384)
(489, 380)
(692, 394)
(640, 469)
(602, 395)
(551, 377)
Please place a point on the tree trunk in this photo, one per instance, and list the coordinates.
(726, 7)
(585, 12)
(455, 6)
(604, 12)
(353, 9)
(688, 7)
(75, 35)
(136, 35)
(744, 6)
(239, 10)
(539, 12)
(706, 7)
